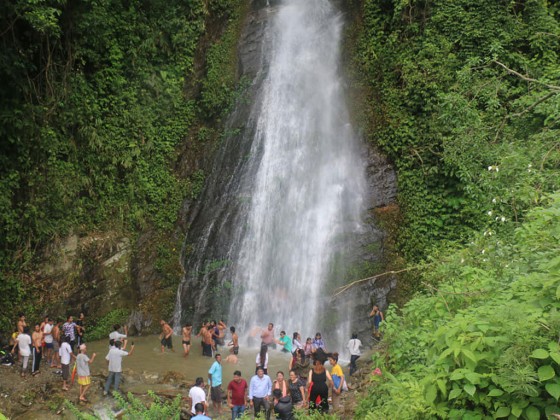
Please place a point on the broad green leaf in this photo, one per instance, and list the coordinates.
(456, 375)
(444, 354)
(473, 377)
(558, 292)
(539, 354)
(442, 385)
(516, 410)
(431, 393)
(555, 356)
(470, 389)
(532, 413)
(502, 412)
(470, 355)
(496, 393)
(545, 373)
(554, 390)
(454, 393)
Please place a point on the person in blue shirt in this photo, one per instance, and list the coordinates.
(199, 410)
(215, 382)
(285, 342)
(260, 390)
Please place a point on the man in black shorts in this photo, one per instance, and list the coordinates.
(186, 332)
(166, 333)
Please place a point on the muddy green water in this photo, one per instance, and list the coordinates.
(148, 358)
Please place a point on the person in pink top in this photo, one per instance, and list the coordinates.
(267, 336)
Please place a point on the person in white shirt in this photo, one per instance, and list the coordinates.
(23, 341)
(114, 357)
(66, 355)
(354, 347)
(117, 336)
(48, 337)
(197, 395)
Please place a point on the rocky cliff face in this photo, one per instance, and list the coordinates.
(100, 272)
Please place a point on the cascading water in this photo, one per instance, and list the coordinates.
(309, 187)
(282, 211)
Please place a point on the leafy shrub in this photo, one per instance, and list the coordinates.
(483, 342)
(104, 325)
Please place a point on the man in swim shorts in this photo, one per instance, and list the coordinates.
(186, 332)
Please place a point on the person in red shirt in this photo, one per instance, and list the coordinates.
(237, 395)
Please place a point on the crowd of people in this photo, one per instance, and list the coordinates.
(308, 385)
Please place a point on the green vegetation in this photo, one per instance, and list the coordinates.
(98, 99)
(483, 342)
(461, 129)
(104, 325)
(465, 98)
(134, 408)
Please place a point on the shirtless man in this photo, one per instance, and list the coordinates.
(187, 331)
(201, 335)
(21, 324)
(166, 333)
(56, 333)
(234, 343)
(37, 349)
(222, 327)
(207, 341)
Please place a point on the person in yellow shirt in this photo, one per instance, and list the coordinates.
(337, 380)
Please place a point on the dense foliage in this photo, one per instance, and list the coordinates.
(97, 97)
(466, 98)
(484, 342)
(472, 141)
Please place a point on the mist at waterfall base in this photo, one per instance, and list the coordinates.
(290, 243)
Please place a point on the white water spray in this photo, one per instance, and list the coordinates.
(308, 194)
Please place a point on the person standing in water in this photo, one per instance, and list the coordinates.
(166, 336)
(267, 336)
(285, 342)
(262, 360)
(186, 332)
(234, 343)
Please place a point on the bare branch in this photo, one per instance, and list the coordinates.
(528, 79)
(344, 288)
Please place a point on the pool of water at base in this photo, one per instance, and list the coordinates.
(148, 358)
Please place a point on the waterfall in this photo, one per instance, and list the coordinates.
(309, 187)
(302, 178)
